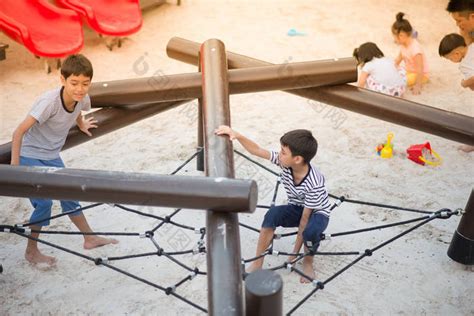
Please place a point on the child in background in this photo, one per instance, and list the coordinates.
(377, 72)
(462, 11)
(454, 48)
(411, 53)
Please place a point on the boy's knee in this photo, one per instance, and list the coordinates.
(269, 220)
(306, 235)
(44, 205)
(41, 212)
(68, 206)
(311, 238)
(310, 235)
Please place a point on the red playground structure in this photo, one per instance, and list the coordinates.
(44, 29)
(108, 17)
(50, 31)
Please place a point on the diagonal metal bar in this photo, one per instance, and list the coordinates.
(453, 126)
(109, 120)
(247, 80)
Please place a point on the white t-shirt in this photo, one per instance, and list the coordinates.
(383, 71)
(45, 139)
(467, 63)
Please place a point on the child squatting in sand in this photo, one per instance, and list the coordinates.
(308, 205)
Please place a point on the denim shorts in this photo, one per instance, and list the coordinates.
(290, 215)
(42, 207)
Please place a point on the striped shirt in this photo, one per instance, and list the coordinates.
(310, 193)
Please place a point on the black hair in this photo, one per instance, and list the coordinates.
(76, 65)
(463, 7)
(449, 43)
(301, 143)
(366, 52)
(401, 25)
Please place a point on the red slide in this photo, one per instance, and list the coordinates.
(108, 17)
(41, 27)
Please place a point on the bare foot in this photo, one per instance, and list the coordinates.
(253, 267)
(308, 270)
(291, 259)
(36, 257)
(466, 148)
(95, 241)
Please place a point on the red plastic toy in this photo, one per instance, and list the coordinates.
(108, 17)
(41, 27)
(422, 154)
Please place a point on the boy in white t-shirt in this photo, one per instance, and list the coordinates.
(39, 138)
(454, 48)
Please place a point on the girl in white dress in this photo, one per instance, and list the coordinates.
(377, 72)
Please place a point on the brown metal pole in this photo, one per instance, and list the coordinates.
(263, 293)
(109, 120)
(255, 79)
(200, 137)
(461, 248)
(453, 126)
(205, 193)
(223, 242)
(146, 90)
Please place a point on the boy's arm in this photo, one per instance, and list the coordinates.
(248, 144)
(85, 124)
(17, 138)
(303, 222)
(468, 83)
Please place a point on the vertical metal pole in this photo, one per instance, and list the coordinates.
(263, 294)
(223, 241)
(461, 248)
(200, 140)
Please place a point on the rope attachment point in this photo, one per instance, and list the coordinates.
(318, 284)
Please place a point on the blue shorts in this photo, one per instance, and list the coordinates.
(43, 206)
(290, 215)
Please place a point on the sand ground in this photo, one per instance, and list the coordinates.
(411, 276)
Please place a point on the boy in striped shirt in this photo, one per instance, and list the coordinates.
(308, 205)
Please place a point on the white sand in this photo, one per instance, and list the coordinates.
(413, 275)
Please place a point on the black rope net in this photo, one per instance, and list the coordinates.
(181, 250)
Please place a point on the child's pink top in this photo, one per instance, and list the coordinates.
(409, 52)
